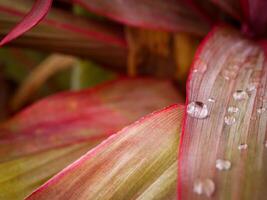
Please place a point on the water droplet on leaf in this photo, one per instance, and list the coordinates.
(229, 120)
(252, 87)
(240, 95)
(242, 146)
(206, 187)
(223, 164)
(201, 66)
(211, 100)
(261, 110)
(233, 109)
(197, 109)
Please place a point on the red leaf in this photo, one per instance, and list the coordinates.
(59, 19)
(156, 14)
(36, 14)
(256, 16)
(72, 117)
(230, 6)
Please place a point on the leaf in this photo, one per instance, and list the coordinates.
(72, 117)
(49, 67)
(158, 14)
(232, 7)
(128, 165)
(64, 32)
(21, 176)
(36, 14)
(256, 16)
(225, 63)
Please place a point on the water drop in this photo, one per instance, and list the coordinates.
(228, 74)
(229, 120)
(201, 66)
(261, 110)
(242, 146)
(211, 100)
(240, 95)
(206, 187)
(265, 144)
(252, 87)
(233, 109)
(197, 109)
(223, 164)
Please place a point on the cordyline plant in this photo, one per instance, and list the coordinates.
(84, 145)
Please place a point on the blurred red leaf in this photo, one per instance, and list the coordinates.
(168, 15)
(36, 14)
(256, 16)
(72, 117)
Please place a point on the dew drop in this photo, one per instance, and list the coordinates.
(240, 95)
(206, 187)
(201, 66)
(223, 164)
(261, 110)
(252, 87)
(229, 120)
(233, 109)
(211, 100)
(242, 146)
(228, 74)
(265, 144)
(197, 109)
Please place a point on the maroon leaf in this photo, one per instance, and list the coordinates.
(230, 6)
(36, 14)
(156, 14)
(256, 16)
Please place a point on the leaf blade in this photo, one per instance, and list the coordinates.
(73, 117)
(126, 184)
(36, 14)
(231, 67)
(169, 16)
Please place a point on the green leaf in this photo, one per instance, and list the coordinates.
(137, 162)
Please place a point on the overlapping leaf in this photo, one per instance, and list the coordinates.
(20, 176)
(63, 32)
(158, 14)
(73, 117)
(232, 72)
(36, 14)
(136, 163)
(256, 16)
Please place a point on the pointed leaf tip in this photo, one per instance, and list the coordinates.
(36, 14)
(128, 165)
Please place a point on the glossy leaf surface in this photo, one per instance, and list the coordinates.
(232, 71)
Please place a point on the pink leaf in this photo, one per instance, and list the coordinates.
(223, 149)
(92, 114)
(36, 14)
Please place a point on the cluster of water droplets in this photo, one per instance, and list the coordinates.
(199, 110)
